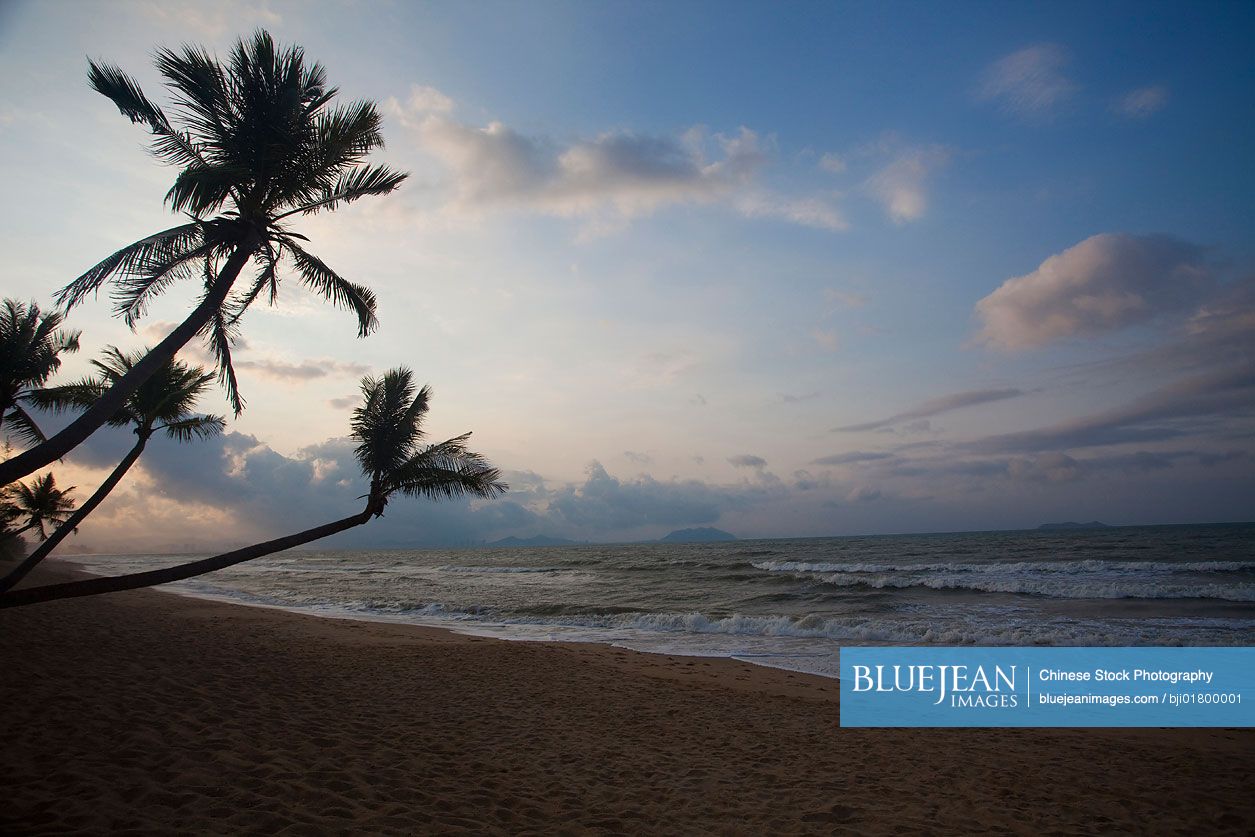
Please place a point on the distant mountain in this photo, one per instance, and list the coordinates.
(538, 540)
(701, 535)
(1050, 527)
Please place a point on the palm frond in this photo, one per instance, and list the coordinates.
(40, 503)
(203, 187)
(445, 471)
(388, 425)
(127, 95)
(358, 183)
(133, 259)
(19, 423)
(331, 286)
(220, 337)
(267, 280)
(74, 396)
(198, 427)
(132, 294)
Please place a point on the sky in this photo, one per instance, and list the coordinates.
(798, 269)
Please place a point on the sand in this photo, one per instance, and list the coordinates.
(146, 712)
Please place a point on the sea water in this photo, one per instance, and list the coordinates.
(785, 603)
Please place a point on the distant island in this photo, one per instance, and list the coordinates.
(1050, 527)
(700, 535)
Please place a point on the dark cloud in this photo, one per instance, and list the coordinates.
(637, 457)
(605, 503)
(851, 458)
(937, 406)
(1182, 408)
(747, 460)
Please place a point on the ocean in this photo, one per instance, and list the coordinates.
(784, 603)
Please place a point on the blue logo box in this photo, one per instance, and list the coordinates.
(1047, 687)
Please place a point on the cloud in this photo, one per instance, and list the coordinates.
(851, 458)
(899, 187)
(425, 99)
(806, 212)
(828, 339)
(788, 398)
(1106, 282)
(210, 20)
(1049, 467)
(617, 174)
(304, 371)
(1142, 102)
(832, 163)
(638, 458)
(1170, 411)
(936, 406)
(863, 494)
(1029, 84)
(837, 298)
(747, 460)
(605, 503)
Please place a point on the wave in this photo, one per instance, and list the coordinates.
(1085, 566)
(453, 568)
(1054, 588)
(618, 627)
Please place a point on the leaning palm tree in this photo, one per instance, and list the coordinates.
(31, 345)
(40, 504)
(388, 430)
(258, 141)
(162, 403)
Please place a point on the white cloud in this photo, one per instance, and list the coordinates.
(1102, 284)
(615, 176)
(425, 99)
(1142, 102)
(832, 163)
(211, 20)
(806, 212)
(900, 187)
(1029, 84)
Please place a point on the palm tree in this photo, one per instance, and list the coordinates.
(162, 403)
(388, 430)
(257, 141)
(40, 504)
(31, 344)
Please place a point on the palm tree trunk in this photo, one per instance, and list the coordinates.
(77, 431)
(75, 519)
(112, 584)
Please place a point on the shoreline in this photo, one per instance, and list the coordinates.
(155, 712)
(73, 569)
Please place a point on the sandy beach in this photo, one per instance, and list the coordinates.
(147, 712)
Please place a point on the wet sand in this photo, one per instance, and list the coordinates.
(146, 712)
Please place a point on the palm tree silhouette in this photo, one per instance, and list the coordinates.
(388, 430)
(164, 402)
(31, 344)
(258, 141)
(40, 504)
